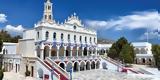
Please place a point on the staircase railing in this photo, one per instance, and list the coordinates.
(113, 61)
(58, 68)
(49, 68)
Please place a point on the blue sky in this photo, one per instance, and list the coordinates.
(111, 18)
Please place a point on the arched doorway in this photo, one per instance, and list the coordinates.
(46, 52)
(61, 51)
(97, 64)
(150, 61)
(69, 66)
(38, 51)
(82, 66)
(54, 51)
(40, 73)
(62, 65)
(143, 60)
(76, 67)
(85, 51)
(93, 65)
(88, 65)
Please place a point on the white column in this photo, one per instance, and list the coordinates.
(87, 51)
(58, 51)
(71, 51)
(65, 47)
(77, 51)
(50, 52)
(41, 54)
(82, 51)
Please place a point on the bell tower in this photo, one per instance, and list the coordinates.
(47, 14)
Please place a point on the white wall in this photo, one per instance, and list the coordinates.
(10, 47)
(27, 48)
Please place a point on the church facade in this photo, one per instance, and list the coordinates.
(70, 45)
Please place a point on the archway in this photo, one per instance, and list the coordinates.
(97, 64)
(76, 67)
(85, 51)
(80, 51)
(90, 51)
(88, 65)
(61, 51)
(54, 51)
(40, 73)
(38, 51)
(143, 60)
(150, 61)
(82, 66)
(46, 52)
(62, 65)
(68, 51)
(74, 51)
(93, 65)
(69, 66)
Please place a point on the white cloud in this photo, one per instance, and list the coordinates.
(15, 30)
(146, 19)
(155, 34)
(3, 18)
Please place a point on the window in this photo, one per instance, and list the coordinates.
(85, 39)
(54, 35)
(49, 7)
(37, 35)
(50, 16)
(45, 16)
(47, 34)
(68, 37)
(94, 39)
(90, 39)
(74, 37)
(80, 38)
(61, 36)
(74, 27)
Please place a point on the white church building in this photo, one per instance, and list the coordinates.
(61, 47)
(52, 50)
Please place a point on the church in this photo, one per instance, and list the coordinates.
(64, 47)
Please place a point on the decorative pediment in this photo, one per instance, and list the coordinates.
(74, 20)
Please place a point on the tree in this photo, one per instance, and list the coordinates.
(156, 54)
(1, 56)
(122, 50)
(126, 54)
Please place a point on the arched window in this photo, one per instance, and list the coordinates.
(47, 34)
(45, 16)
(37, 35)
(85, 39)
(61, 36)
(90, 39)
(54, 35)
(49, 7)
(50, 16)
(80, 38)
(74, 27)
(74, 37)
(94, 39)
(68, 37)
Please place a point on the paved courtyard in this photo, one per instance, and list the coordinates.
(108, 75)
